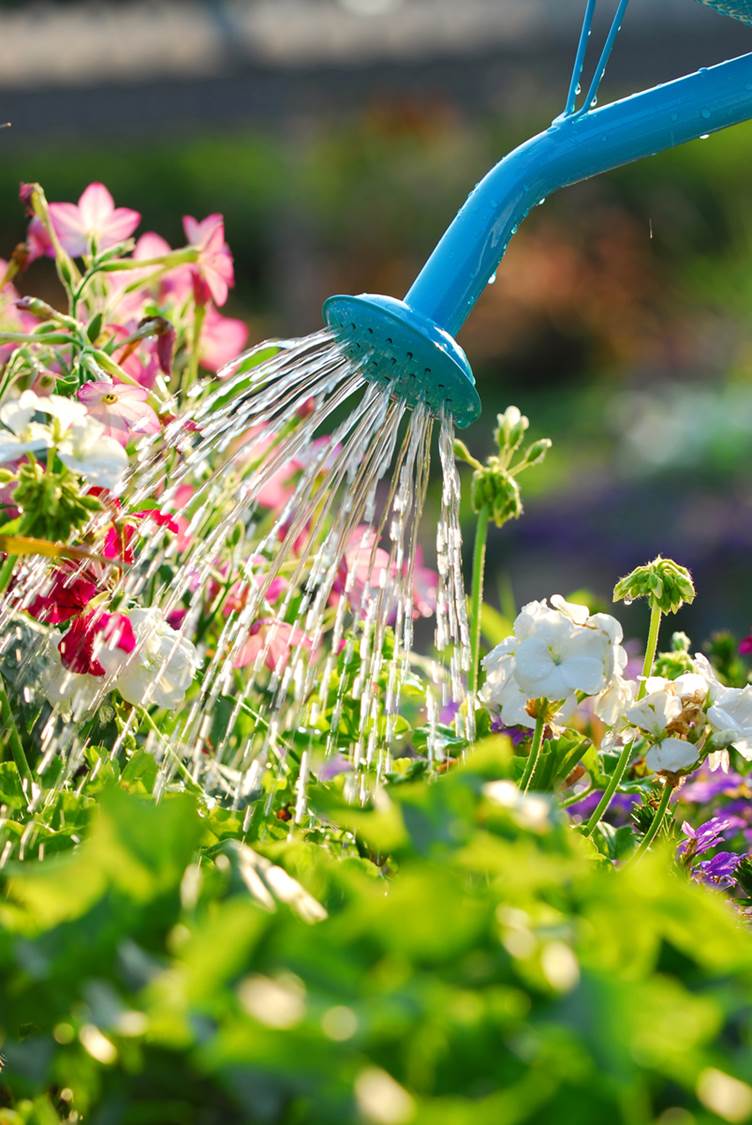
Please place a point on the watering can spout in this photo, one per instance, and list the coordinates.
(575, 147)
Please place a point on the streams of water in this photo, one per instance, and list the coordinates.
(296, 575)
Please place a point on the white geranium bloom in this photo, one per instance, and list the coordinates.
(665, 700)
(564, 650)
(161, 667)
(71, 693)
(611, 705)
(731, 718)
(86, 449)
(671, 755)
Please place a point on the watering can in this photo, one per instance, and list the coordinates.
(409, 344)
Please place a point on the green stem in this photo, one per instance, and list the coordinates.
(14, 738)
(623, 761)
(476, 594)
(532, 759)
(576, 797)
(35, 338)
(190, 783)
(651, 647)
(657, 822)
(198, 323)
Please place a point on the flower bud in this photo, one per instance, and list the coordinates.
(494, 488)
(462, 453)
(510, 430)
(537, 451)
(665, 584)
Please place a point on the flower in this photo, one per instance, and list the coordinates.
(21, 434)
(276, 640)
(730, 716)
(121, 409)
(80, 440)
(91, 638)
(666, 701)
(213, 274)
(92, 224)
(222, 339)
(718, 871)
(563, 649)
(86, 449)
(75, 695)
(672, 755)
(117, 542)
(159, 668)
(364, 567)
(67, 595)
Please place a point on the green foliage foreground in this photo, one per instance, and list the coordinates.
(452, 954)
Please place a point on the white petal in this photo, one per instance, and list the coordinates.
(672, 754)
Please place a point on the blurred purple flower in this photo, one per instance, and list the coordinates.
(619, 810)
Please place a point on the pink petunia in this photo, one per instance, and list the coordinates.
(213, 272)
(364, 567)
(275, 641)
(121, 409)
(94, 221)
(222, 339)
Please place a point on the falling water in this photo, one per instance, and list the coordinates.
(314, 597)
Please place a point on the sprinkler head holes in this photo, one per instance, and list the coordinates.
(400, 348)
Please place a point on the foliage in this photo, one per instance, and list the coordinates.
(497, 974)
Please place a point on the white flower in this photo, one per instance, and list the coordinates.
(161, 667)
(665, 700)
(81, 441)
(611, 705)
(21, 434)
(731, 718)
(71, 693)
(86, 449)
(671, 755)
(563, 650)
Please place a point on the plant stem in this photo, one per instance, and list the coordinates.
(623, 761)
(650, 648)
(476, 594)
(190, 783)
(14, 738)
(532, 759)
(657, 822)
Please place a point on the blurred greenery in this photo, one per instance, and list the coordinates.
(499, 974)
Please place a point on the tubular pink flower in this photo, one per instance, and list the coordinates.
(277, 639)
(222, 339)
(93, 221)
(121, 409)
(214, 267)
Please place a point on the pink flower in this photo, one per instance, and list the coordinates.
(222, 339)
(89, 635)
(362, 568)
(121, 409)
(94, 221)
(38, 242)
(745, 646)
(274, 493)
(214, 270)
(276, 639)
(12, 319)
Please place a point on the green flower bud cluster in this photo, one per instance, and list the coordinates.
(495, 487)
(52, 503)
(665, 584)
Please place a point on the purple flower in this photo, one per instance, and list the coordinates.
(707, 786)
(709, 834)
(516, 735)
(718, 871)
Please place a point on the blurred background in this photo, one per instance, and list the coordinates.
(338, 137)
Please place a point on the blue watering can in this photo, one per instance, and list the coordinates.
(409, 344)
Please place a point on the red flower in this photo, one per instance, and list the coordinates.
(117, 542)
(86, 637)
(69, 593)
(745, 646)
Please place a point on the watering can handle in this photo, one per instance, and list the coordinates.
(575, 147)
